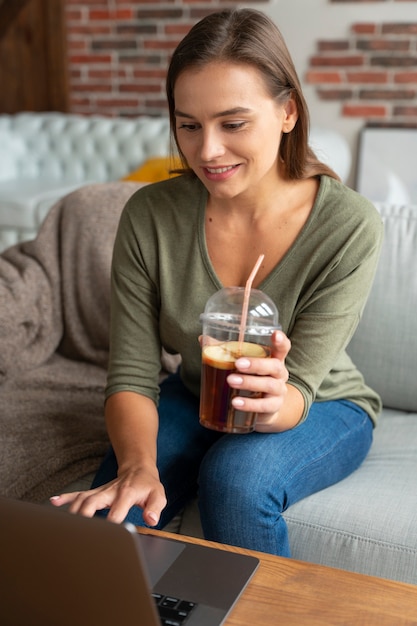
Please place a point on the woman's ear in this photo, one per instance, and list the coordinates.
(290, 115)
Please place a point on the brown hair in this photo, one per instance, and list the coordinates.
(249, 36)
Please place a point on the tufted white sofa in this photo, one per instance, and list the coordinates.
(44, 156)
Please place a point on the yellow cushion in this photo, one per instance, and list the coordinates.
(154, 169)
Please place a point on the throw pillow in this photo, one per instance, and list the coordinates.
(154, 170)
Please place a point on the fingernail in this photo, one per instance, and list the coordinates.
(242, 364)
(54, 497)
(235, 380)
(238, 402)
(153, 517)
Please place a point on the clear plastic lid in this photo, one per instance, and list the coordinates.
(224, 308)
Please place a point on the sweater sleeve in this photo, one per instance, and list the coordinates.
(135, 347)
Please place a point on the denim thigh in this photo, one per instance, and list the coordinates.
(247, 481)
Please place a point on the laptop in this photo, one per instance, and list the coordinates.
(60, 569)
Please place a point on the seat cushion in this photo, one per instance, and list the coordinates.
(367, 522)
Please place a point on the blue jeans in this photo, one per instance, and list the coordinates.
(245, 482)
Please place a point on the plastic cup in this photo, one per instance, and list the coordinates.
(223, 344)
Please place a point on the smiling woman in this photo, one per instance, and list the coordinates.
(220, 141)
(250, 186)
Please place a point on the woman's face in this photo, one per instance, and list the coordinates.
(229, 127)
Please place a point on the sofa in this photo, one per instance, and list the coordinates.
(44, 156)
(54, 294)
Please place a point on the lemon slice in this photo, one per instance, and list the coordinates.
(224, 355)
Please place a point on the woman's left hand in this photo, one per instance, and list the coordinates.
(281, 405)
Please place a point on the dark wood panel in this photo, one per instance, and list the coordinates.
(33, 57)
(9, 9)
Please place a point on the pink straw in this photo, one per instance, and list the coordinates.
(246, 297)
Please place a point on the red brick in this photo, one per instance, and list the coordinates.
(367, 77)
(80, 101)
(157, 104)
(383, 44)
(178, 29)
(114, 44)
(360, 110)
(368, 29)
(75, 45)
(145, 58)
(150, 73)
(135, 28)
(337, 61)
(405, 77)
(125, 14)
(98, 73)
(408, 28)
(334, 94)
(73, 15)
(117, 102)
(90, 87)
(405, 111)
(393, 61)
(138, 88)
(323, 77)
(85, 59)
(89, 29)
(387, 94)
(88, 2)
(332, 46)
(159, 14)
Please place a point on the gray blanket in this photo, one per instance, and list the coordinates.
(54, 320)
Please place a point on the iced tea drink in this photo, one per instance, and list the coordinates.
(225, 338)
(216, 409)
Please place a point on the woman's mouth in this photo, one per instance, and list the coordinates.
(219, 170)
(220, 173)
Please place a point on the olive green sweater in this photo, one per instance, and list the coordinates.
(162, 277)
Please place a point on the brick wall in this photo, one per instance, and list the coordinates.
(372, 72)
(119, 51)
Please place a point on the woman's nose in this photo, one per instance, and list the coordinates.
(211, 145)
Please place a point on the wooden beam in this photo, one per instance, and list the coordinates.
(33, 59)
(9, 9)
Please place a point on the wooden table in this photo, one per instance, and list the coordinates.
(285, 591)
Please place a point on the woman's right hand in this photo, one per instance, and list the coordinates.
(139, 486)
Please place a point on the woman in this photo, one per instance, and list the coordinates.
(250, 185)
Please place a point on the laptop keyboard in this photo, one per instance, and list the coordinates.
(173, 611)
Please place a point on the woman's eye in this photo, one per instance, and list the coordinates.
(189, 127)
(192, 127)
(234, 125)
